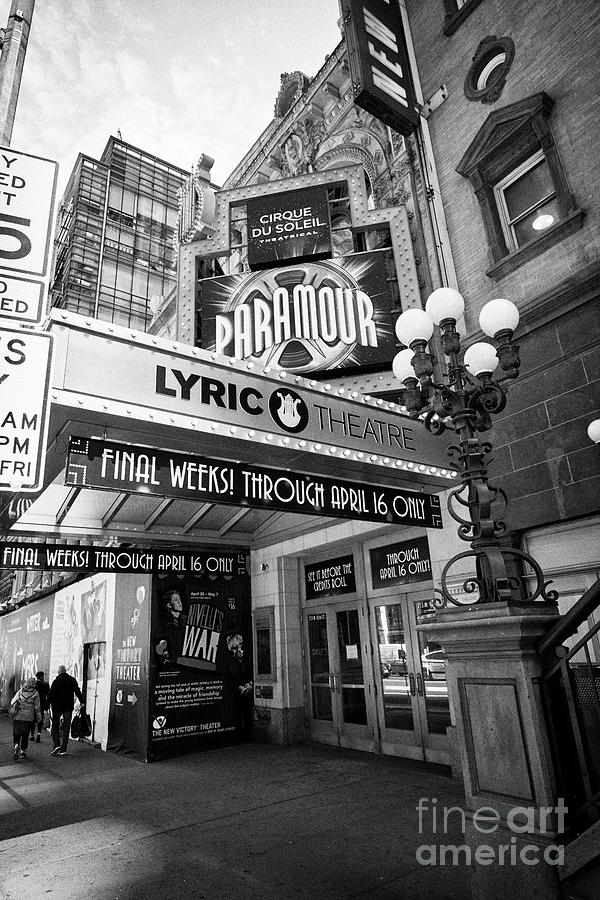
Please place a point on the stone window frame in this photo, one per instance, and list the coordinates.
(508, 138)
(488, 51)
(456, 14)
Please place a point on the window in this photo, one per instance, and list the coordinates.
(486, 77)
(527, 201)
(456, 13)
(515, 170)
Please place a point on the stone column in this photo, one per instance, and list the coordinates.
(493, 674)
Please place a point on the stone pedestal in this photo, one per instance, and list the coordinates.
(493, 675)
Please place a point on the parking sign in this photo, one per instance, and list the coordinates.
(27, 192)
(25, 372)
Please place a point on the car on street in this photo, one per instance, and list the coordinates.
(433, 664)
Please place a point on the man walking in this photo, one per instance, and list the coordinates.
(63, 691)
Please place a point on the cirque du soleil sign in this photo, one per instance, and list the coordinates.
(310, 316)
(290, 225)
(124, 467)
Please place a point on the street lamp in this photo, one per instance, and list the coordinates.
(464, 402)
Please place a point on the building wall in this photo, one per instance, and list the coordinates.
(557, 51)
(542, 455)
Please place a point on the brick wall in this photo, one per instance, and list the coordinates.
(542, 456)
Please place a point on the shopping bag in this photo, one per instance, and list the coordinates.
(86, 724)
(46, 721)
(14, 708)
(76, 726)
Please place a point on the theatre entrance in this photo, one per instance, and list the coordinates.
(375, 683)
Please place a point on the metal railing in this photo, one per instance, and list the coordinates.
(571, 694)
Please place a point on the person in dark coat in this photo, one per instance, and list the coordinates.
(43, 689)
(238, 683)
(63, 691)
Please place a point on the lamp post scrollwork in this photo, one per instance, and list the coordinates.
(465, 401)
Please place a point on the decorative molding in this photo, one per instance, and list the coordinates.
(488, 48)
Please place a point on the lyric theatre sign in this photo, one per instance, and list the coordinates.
(96, 463)
(148, 376)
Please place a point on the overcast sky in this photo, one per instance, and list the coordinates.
(176, 77)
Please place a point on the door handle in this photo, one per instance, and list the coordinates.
(411, 683)
(420, 684)
(331, 682)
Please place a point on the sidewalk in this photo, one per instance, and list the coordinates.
(254, 821)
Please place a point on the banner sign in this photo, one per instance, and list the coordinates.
(50, 557)
(401, 563)
(96, 463)
(128, 711)
(378, 62)
(25, 365)
(309, 317)
(25, 643)
(201, 677)
(289, 225)
(330, 578)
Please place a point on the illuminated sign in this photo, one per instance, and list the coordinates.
(308, 317)
(96, 463)
(65, 558)
(378, 62)
(153, 381)
(289, 225)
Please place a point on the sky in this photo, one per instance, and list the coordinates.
(177, 78)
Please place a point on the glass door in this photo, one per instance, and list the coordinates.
(412, 701)
(341, 693)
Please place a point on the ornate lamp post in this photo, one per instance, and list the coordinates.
(465, 402)
(492, 664)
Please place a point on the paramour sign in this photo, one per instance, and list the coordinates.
(378, 62)
(330, 578)
(25, 363)
(401, 563)
(289, 225)
(309, 317)
(52, 557)
(96, 463)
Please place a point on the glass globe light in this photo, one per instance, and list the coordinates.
(402, 365)
(445, 303)
(594, 431)
(481, 357)
(413, 325)
(498, 315)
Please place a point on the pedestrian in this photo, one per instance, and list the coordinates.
(43, 689)
(63, 691)
(25, 710)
